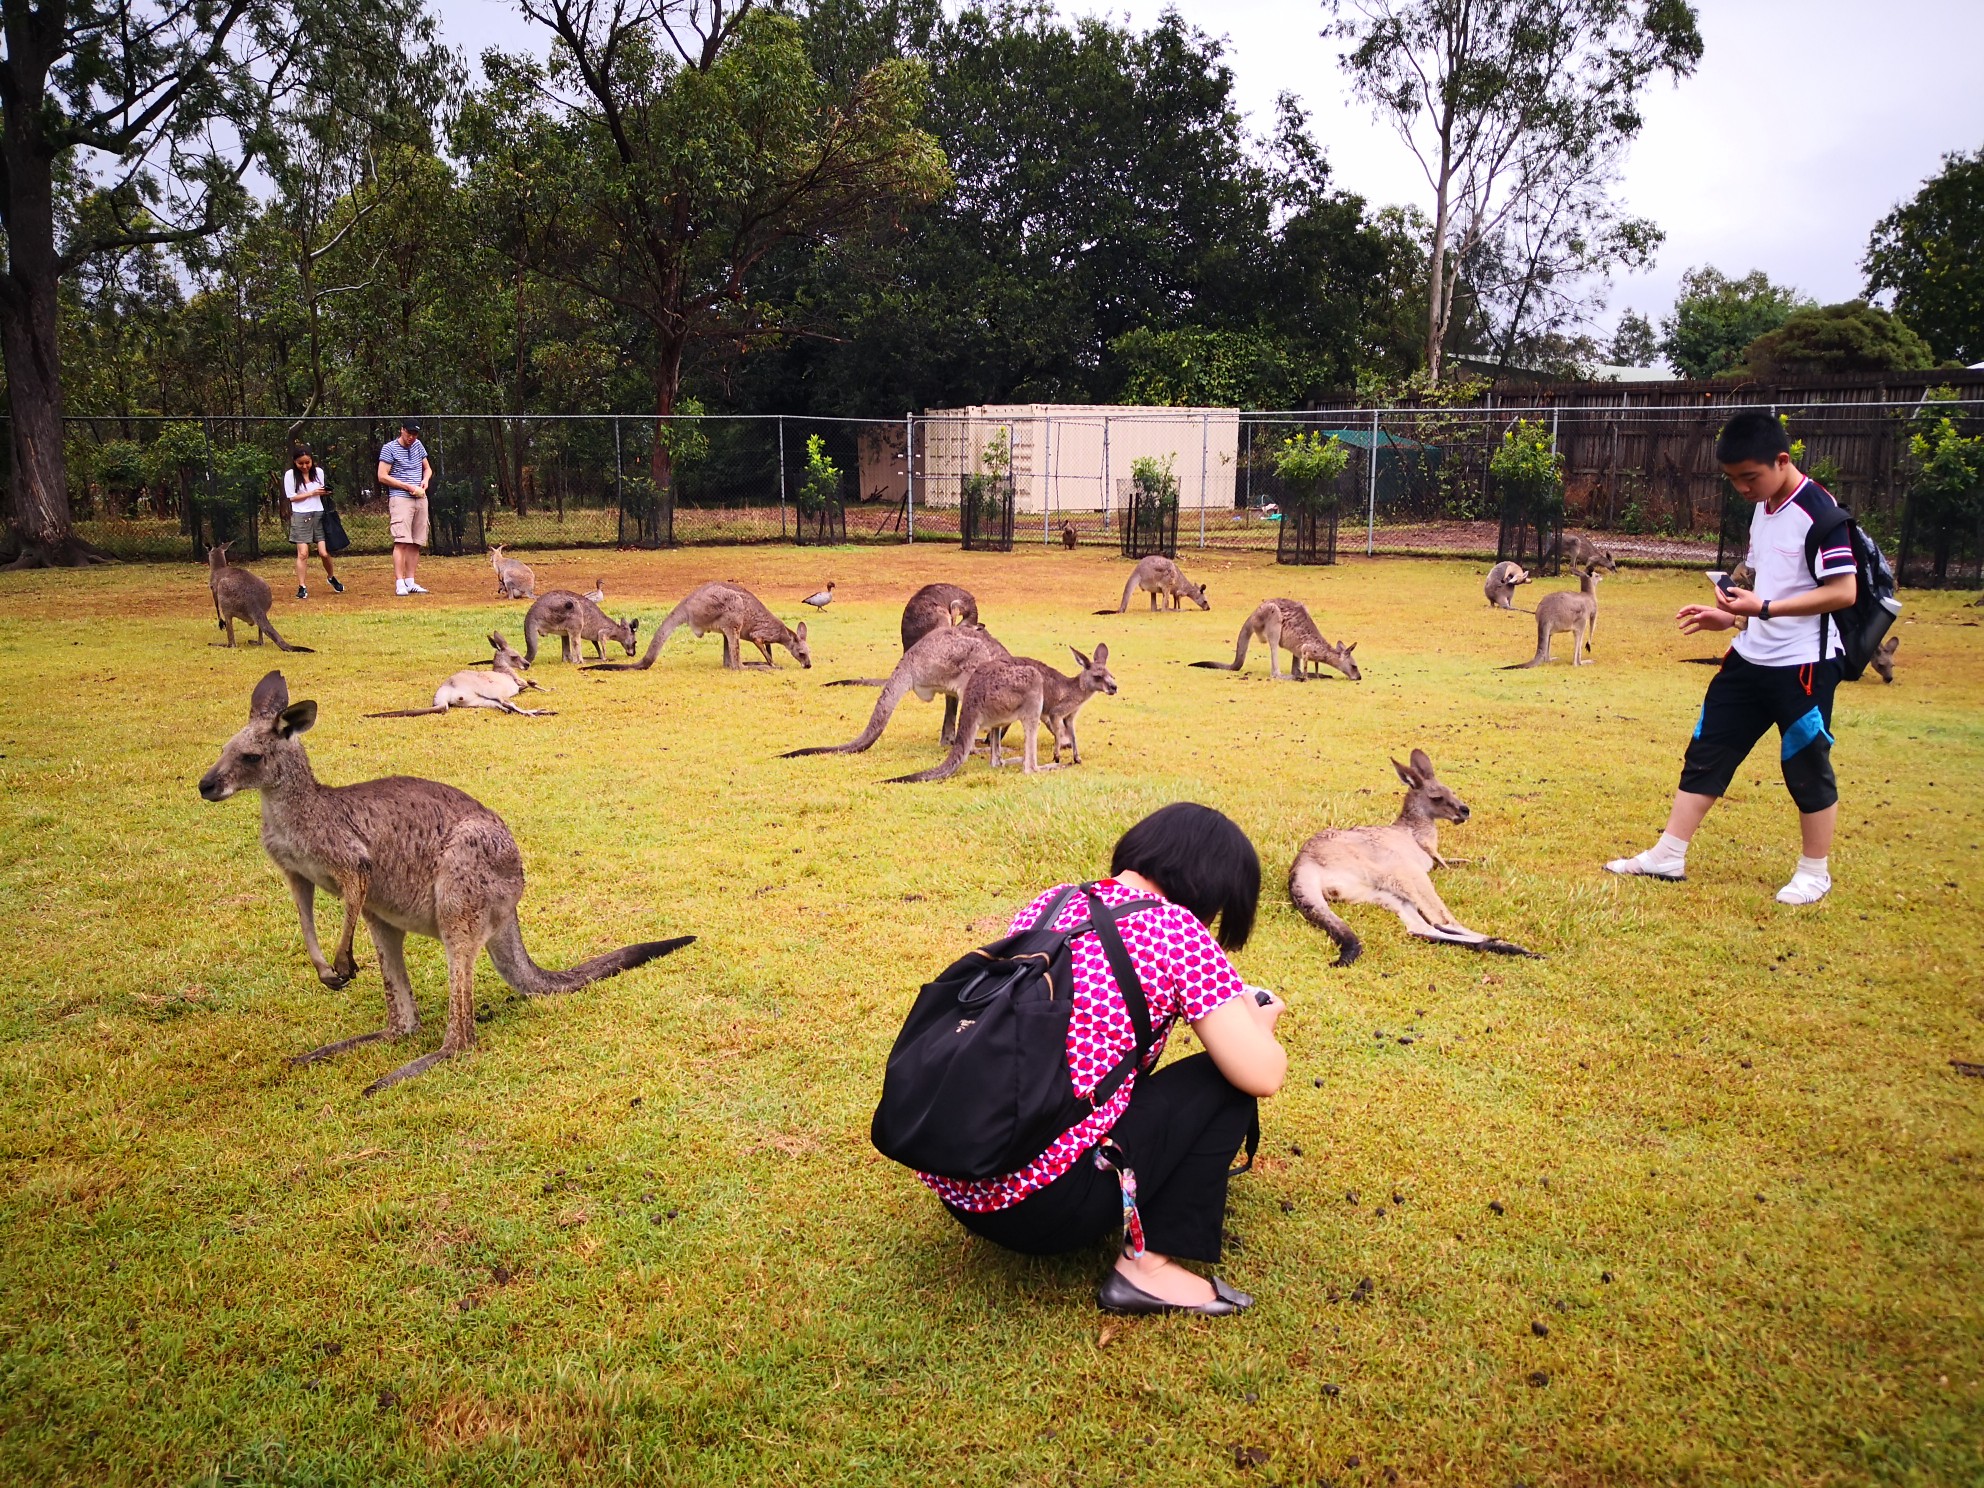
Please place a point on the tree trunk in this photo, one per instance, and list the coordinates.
(661, 459)
(39, 530)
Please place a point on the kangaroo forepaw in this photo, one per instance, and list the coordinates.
(340, 976)
(419, 1066)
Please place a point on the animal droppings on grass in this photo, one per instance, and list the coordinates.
(1538, 1379)
(386, 1399)
(1319, 1082)
(501, 1274)
(1288, 1206)
(1249, 1456)
(1250, 1398)
(1495, 1207)
(1353, 1463)
(1606, 1277)
(1403, 1039)
(634, 1103)
(1294, 1150)
(1397, 1197)
(1541, 1330)
(1330, 1392)
(1350, 1196)
(1759, 1198)
(673, 1212)
(658, 1219)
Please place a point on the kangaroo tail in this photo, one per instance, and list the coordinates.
(1129, 588)
(513, 962)
(276, 636)
(408, 713)
(530, 636)
(1239, 652)
(952, 762)
(858, 682)
(885, 706)
(1307, 896)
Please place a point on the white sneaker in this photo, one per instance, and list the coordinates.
(399, 588)
(413, 588)
(1805, 888)
(1648, 865)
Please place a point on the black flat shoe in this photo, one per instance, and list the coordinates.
(1120, 1295)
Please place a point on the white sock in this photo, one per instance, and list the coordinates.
(1667, 858)
(1669, 851)
(1811, 883)
(1817, 867)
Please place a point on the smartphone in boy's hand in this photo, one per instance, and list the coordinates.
(1721, 581)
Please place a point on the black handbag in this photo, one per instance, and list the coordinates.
(977, 1083)
(336, 539)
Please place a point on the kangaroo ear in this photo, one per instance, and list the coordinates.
(1422, 764)
(801, 632)
(297, 718)
(1350, 648)
(1101, 654)
(496, 639)
(271, 697)
(1405, 774)
(1080, 660)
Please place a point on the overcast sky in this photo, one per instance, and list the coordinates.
(1807, 121)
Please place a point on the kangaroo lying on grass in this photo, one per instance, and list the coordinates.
(1160, 575)
(574, 619)
(240, 595)
(733, 612)
(941, 662)
(407, 856)
(1387, 866)
(1501, 585)
(514, 580)
(491, 688)
(1575, 611)
(996, 695)
(1283, 624)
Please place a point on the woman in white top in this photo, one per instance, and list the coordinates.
(303, 484)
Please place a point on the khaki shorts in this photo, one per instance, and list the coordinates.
(306, 527)
(408, 518)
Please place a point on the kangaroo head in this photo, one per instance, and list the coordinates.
(266, 752)
(1517, 574)
(1882, 660)
(1197, 595)
(1605, 561)
(1426, 794)
(798, 647)
(1095, 674)
(629, 628)
(1340, 658)
(495, 555)
(217, 554)
(504, 658)
(957, 612)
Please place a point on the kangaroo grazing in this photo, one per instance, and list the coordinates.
(933, 607)
(941, 662)
(1501, 586)
(1069, 537)
(482, 688)
(1567, 609)
(1882, 660)
(1579, 551)
(1387, 866)
(406, 856)
(1160, 575)
(733, 612)
(240, 595)
(997, 694)
(574, 619)
(514, 580)
(1284, 624)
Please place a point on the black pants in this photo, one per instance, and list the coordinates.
(1181, 1131)
(1743, 701)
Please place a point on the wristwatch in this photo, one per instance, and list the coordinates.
(1764, 613)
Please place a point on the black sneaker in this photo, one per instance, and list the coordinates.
(301, 592)
(336, 587)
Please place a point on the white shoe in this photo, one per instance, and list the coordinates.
(1646, 865)
(413, 588)
(399, 587)
(1805, 888)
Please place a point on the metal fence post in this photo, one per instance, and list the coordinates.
(1106, 492)
(909, 477)
(619, 484)
(781, 475)
(1371, 501)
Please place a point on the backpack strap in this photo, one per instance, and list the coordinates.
(1102, 919)
(1820, 530)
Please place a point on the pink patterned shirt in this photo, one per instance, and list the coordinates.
(1185, 975)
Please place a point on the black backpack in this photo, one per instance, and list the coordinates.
(1864, 623)
(977, 1083)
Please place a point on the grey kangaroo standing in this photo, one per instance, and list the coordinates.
(933, 607)
(1160, 575)
(1284, 625)
(1061, 696)
(941, 662)
(737, 615)
(240, 595)
(1387, 866)
(1572, 610)
(574, 619)
(407, 856)
(1501, 584)
(996, 695)
(492, 687)
(514, 580)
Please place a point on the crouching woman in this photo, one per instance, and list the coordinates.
(1154, 1158)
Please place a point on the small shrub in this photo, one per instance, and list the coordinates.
(819, 486)
(1527, 469)
(1310, 466)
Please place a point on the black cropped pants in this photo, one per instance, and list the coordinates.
(1744, 700)
(1179, 1135)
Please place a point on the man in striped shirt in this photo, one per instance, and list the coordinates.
(1782, 666)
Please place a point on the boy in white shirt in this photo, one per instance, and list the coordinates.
(1782, 665)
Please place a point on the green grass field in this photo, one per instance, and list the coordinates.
(640, 1234)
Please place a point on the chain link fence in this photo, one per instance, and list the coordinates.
(1640, 474)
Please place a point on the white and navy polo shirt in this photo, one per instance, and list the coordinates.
(1777, 553)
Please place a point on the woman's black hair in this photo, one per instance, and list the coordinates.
(299, 452)
(1201, 860)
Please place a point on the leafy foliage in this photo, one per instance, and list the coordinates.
(1633, 342)
(1526, 467)
(1310, 466)
(1853, 337)
(1947, 465)
(1926, 252)
(819, 482)
(1154, 479)
(1715, 318)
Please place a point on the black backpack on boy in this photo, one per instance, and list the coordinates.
(977, 1083)
(1864, 623)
